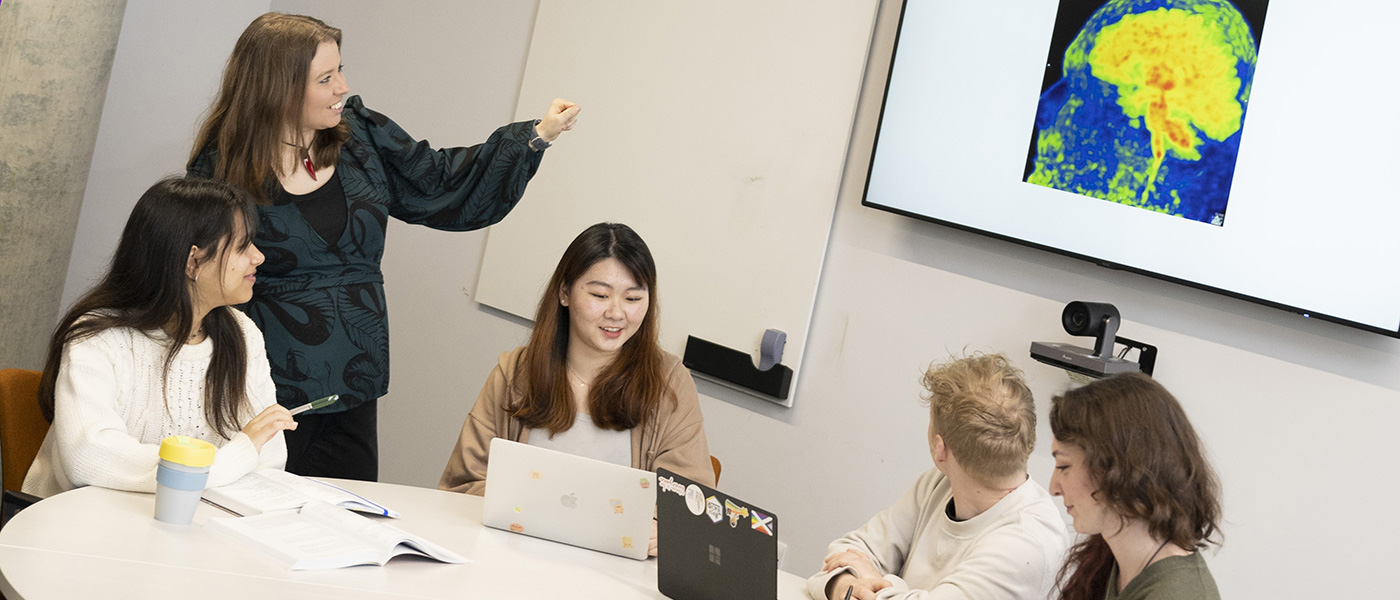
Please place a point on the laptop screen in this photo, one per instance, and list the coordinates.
(711, 545)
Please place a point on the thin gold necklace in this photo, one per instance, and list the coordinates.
(578, 380)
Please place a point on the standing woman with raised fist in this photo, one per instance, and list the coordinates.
(326, 173)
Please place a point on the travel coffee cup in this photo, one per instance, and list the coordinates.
(180, 478)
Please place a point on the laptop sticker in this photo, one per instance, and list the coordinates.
(735, 511)
(668, 484)
(616, 504)
(518, 528)
(518, 509)
(534, 474)
(713, 509)
(695, 500)
(626, 542)
(646, 483)
(761, 522)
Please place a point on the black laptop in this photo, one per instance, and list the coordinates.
(712, 546)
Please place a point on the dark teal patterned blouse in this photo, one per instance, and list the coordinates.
(320, 303)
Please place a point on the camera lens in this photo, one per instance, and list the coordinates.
(1087, 318)
(1075, 318)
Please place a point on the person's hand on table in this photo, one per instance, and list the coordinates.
(267, 423)
(560, 117)
(862, 576)
(862, 588)
(858, 563)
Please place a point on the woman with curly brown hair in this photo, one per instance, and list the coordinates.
(1134, 477)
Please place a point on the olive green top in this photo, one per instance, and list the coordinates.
(1172, 578)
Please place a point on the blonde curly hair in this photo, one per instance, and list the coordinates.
(984, 411)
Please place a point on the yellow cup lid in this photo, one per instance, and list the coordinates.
(188, 451)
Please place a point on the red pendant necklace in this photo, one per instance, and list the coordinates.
(305, 160)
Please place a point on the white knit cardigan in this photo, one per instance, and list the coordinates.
(110, 414)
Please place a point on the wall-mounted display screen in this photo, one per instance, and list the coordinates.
(1243, 147)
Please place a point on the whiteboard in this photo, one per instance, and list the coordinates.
(717, 130)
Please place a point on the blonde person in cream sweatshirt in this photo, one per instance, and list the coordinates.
(975, 526)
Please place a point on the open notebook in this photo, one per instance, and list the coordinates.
(321, 536)
(268, 490)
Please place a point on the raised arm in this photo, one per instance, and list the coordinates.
(456, 189)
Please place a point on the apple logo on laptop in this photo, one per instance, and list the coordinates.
(569, 501)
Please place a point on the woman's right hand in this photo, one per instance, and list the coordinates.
(268, 422)
(560, 117)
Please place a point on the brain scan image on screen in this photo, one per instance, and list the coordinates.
(1144, 103)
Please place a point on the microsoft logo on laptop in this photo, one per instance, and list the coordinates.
(714, 554)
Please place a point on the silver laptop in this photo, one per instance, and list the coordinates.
(569, 499)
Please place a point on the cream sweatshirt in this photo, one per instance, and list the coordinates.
(1011, 551)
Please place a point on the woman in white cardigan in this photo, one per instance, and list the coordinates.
(157, 349)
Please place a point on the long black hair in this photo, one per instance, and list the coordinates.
(146, 288)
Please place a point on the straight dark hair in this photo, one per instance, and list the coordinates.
(1148, 464)
(261, 97)
(146, 289)
(627, 390)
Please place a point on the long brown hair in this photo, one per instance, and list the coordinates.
(261, 96)
(145, 288)
(1147, 462)
(628, 389)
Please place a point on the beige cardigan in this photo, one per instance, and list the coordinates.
(673, 436)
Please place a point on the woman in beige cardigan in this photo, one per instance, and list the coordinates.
(592, 380)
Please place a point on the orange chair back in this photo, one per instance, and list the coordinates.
(22, 426)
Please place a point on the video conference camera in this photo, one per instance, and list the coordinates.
(1099, 320)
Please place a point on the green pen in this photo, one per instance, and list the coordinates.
(315, 404)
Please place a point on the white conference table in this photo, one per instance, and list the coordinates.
(100, 543)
